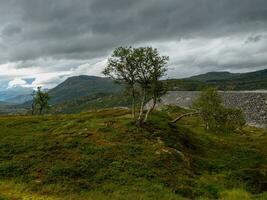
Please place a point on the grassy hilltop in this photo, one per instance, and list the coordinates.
(103, 155)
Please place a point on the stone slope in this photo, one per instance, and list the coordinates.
(253, 103)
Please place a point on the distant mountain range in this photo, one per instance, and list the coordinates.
(83, 92)
(16, 95)
(230, 81)
(214, 76)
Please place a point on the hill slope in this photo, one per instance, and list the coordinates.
(213, 76)
(79, 86)
(16, 94)
(227, 81)
(103, 156)
(92, 102)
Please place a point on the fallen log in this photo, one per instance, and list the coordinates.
(184, 115)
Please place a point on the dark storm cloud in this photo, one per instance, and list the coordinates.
(63, 27)
(31, 30)
(256, 38)
(10, 30)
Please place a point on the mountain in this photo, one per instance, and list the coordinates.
(7, 108)
(16, 94)
(229, 81)
(81, 86)
(213, 76)
(246, 81)
(4, 103)
(20, 98)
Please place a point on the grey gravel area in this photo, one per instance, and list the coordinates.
(253, 103)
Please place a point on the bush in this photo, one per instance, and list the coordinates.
(215, 115)
(230, 119)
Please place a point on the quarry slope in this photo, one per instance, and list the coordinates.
(252, 103)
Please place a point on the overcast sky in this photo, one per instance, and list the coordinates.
(42, 42)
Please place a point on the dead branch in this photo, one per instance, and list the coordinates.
(185, 115)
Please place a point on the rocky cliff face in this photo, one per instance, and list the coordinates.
(253, 103)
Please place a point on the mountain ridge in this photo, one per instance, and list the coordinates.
(80, 86)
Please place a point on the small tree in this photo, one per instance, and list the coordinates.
(156, 90)
(40, 101)
(231, 119)
(33, 106)
(215, 115)
(138, 68)
(209, 105)
(150, 68)
(122, 70)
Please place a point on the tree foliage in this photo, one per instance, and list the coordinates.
(40, 101)
(215, 115)
(122, 70)
(139, 70)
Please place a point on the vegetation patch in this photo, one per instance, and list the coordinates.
(104, 155)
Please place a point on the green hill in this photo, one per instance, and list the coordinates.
(227, 81)
(92, 102)
(81, 86)
(213, 76)
(103, 155)
(222, 81)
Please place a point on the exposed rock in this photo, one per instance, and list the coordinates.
(252, 103)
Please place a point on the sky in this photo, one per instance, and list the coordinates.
(43, 42)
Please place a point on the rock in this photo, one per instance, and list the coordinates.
(252, 103)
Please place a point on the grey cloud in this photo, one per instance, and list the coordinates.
(256, 38)
(85, 29)
(10, 30)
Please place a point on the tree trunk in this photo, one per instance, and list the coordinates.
(150, 109)
(133, 103)
(32, 108)
(142, 107)
(184, 115)
(40, 110)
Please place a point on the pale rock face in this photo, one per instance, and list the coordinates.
(252, 103)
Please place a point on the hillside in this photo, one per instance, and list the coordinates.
(103, 155)
(4, 103)
(184, 85)
(213, 76)
(93, 102)
(80, 86)
(16, 94)
(6, 107)
(19, 99)
(227, 81)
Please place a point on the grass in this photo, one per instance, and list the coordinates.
(103, 155)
